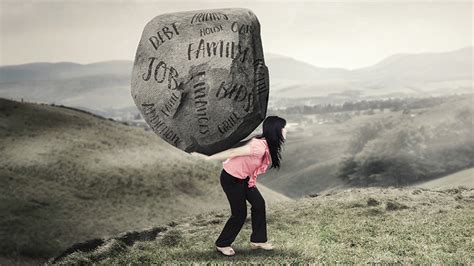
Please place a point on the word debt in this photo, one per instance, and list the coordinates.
(168, 32)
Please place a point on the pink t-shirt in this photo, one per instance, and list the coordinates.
(250, 165)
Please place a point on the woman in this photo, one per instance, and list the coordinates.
(238, 178)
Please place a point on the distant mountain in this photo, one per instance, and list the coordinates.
(96, 86)
(105, 85)
(420, 74)
(406, 69)
(63, 70)
(289, 69)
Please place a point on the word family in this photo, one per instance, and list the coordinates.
(161, 73)
(201, 17)
(157, 40)
(219, 48)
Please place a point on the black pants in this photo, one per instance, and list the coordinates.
(237, 192)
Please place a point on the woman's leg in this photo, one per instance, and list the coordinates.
(234, 189)
(259, 220)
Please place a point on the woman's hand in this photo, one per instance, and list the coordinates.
(200, 155)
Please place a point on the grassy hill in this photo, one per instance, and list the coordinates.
(67, 176)
(461, 178)
(406, 145)
(369, 225)
(413, 145)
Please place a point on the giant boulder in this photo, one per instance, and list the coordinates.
(199, 78)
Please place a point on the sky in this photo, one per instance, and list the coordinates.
(343, 34)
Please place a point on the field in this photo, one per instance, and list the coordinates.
(371, 225)
(68, 176)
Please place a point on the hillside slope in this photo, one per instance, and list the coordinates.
(461, 178)
(371, 225)
(314, 153)
(67, 176)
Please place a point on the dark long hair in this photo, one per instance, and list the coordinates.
(272, 126)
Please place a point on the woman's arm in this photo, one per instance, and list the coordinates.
(223, 155)
(232, 152)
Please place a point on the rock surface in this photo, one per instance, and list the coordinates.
(199, 78)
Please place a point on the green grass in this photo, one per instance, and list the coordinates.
(343, 227)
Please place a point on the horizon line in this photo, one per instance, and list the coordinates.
(268, 53)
